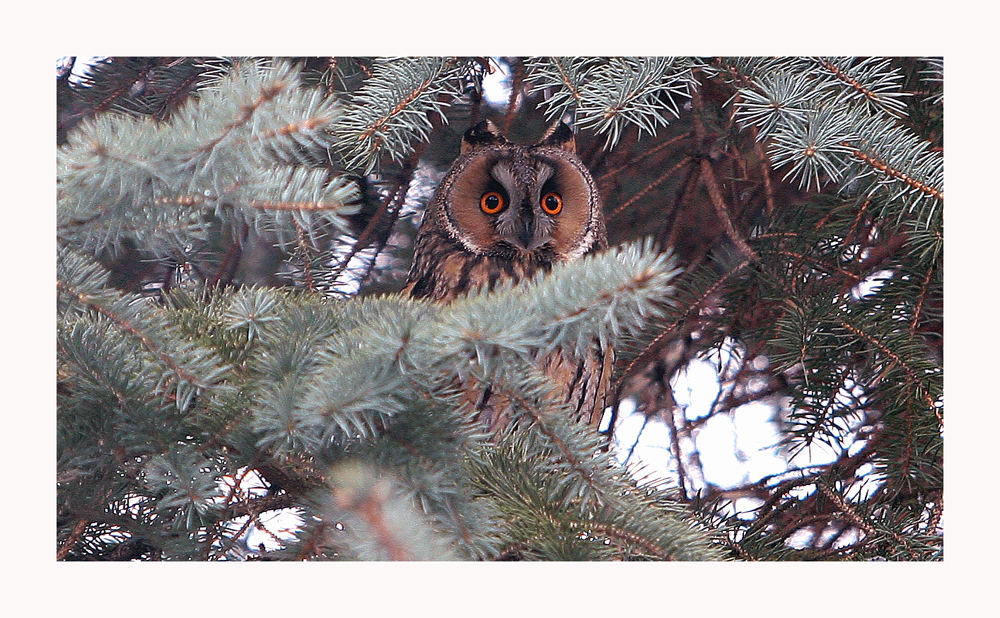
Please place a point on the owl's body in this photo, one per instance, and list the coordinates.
(505, 212)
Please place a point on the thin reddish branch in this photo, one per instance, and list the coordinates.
(132, 330)
(653, 345)
(643, 155)
(712, 184)
(894, 173)
(511, 551)
(306, 125)
(821, 264)
(765, 172)
(676, 443)
(311, 546)
(376, 127)
(306, 261)
(267, 93)
(515, 91)
(914, 379)
(924, 287)
(739, 549)
(370, 511)
(74, 537)
(230, 262)
(260, 526)
(217, 528)
(855, 226)
(657, 181)
(283, 205)
(607, 298)
(686, 187)
(850, 81)
(197, 200)
(565, 79)
(825, 412)
(105, 103)
(616, 533)
(896, 360)
(180, 92)
(567, 453)
(254, 507)
(853, 516)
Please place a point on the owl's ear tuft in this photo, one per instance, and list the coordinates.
(483, 134)
(559, 135)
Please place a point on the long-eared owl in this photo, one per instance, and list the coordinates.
(504, 211)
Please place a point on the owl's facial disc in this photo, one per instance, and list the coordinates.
(516, 202)
(522, 225)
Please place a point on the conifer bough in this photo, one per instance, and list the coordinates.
(190, 413)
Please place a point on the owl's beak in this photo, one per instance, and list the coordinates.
(526, 236)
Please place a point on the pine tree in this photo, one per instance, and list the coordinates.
(232, 232)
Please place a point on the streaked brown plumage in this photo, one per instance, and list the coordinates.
(504, 212)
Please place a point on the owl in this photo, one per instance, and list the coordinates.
(504, 212)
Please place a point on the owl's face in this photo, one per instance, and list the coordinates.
(504, 213)
(510, 201)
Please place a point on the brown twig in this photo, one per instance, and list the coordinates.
(846, 509)
(643, 155)
(896, 360)
(894, 173)
(565, 80)
(306, 251)
(231, 261)
(715, 195)
(310, 546)
(132, 330)
(655, 182)
(675, 442)
(802, 258)
(685, 189)
(72, 539)
(765, 172)
(850, 81)
(385, 217)
(924, 287)
(267, 93)
(616, 533)
(667, 330)
(712, 184)
(516, 81)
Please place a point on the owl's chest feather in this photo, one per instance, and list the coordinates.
(447, 271)
(443, 270)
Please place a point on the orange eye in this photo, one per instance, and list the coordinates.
(552, 203)
(492, 202)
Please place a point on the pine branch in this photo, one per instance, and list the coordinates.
(528, 490)
(394, 106)
(819, 131)
(376, 520)
(872, 80)
(360, 414)
(231, 153)
(685, 307)
(83, 286)
(608, 94)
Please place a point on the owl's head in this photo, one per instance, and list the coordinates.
(511, 200)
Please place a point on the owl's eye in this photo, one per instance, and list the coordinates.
(552, 203)
(492, 202)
